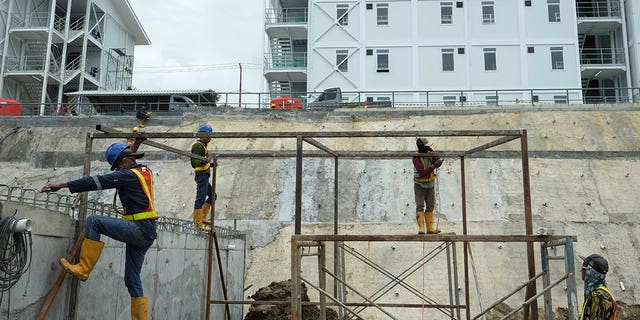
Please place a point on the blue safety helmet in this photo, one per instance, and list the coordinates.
(116, 151)
(205, 128)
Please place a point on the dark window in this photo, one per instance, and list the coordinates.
(369, 52)
(460, 50)
(531, 49)
(527, 3)
(342, 14)
(369, 6)
(341, 60)
(459, 4)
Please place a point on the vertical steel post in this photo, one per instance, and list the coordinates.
(82, 216)
(526, 186)
(298, 214)
(546, 282)
(569, 266)
(466, 243)
(322, 280)
(295, 280)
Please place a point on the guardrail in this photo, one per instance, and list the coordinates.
(67, 205)
(395, 99)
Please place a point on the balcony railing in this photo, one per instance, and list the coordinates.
(286, 60)
(286, 16)
(602, 56)
(599, 9)
(31, 63)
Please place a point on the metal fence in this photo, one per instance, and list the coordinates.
(524, 98)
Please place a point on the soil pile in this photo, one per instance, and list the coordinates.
(281, 291)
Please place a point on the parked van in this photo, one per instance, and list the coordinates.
(9, 107)
(178, 103)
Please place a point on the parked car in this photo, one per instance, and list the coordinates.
(285, 102)
(9, 107)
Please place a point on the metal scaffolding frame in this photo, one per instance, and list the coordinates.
(298, 241)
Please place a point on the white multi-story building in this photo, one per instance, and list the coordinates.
(449, 51)
(50, 47)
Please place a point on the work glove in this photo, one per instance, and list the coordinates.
(438, 162)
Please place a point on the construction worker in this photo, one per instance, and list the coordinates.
(202, 169)
(143, 114)
(424, 178)
(133, 184)
(599, 303)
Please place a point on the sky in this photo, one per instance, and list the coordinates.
(198, 44)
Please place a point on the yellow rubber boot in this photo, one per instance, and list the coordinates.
(139, 308)
(431, 229)
(198, 216)
(206, 208)
(89, 254)
(420, 218)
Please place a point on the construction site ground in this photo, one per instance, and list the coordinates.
(584, 176)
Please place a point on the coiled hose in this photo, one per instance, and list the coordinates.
(15, 252)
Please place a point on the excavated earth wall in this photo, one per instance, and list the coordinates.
(584, 173)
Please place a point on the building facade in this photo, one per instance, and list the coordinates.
(398, 49)
(50, 47)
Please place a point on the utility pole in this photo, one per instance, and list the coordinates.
(240, 90)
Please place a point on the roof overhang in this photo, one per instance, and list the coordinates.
(131, 22)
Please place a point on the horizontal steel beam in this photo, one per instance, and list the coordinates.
(429, 238)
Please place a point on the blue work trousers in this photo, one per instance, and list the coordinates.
(137, 245)
(203, 190)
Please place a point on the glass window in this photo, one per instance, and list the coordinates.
(447, 59)
(491, 100)
(382, 59)
(554, 10)
(557, 60)
(487, 12)
(342, 14)
(341, 60)
(449, 100)
(560, 99)
(489, 59)
(446, 12)
(383, 14)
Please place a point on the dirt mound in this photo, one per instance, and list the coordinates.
(281, 291)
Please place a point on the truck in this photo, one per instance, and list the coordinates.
(332, 98)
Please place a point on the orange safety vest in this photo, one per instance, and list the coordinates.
(615, 306)
(145, 178)
(431, 177)
(206, 166)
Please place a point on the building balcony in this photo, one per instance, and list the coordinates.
(598, 17)
(286, 66)
(286, 23)
(602, 63)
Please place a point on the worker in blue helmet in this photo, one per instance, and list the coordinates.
(133, 184)
(202, 170)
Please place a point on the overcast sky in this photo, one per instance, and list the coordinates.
(197, 44)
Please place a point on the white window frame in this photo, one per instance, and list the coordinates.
(444, 17)
(554, 10)
(557, 58)
(382, 53)
(488, 17)
(382, 14)
(342, 57)
(487, 53)
(448, 53)
(342, 14)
